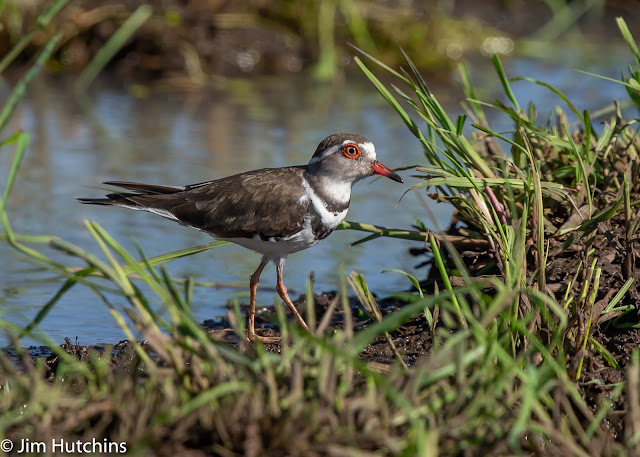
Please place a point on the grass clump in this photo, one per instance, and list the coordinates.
(520, 358)
(555, 201)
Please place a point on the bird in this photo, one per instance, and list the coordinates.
(272, 211)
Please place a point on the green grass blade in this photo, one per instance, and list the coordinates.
(380, 64)
(20, 89)
(506, 85)
(628, 37)
(556, 91)
(42, 21)
(445, 279)
(628, 85)
(411, 278)
(618, 296)
(22, 140)
(470, 93)
(325, 67)
(113, 45)
(357, 24)
(389, 98)
(170, 256)
(48, 307)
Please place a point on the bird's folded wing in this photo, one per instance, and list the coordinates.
(266, 203)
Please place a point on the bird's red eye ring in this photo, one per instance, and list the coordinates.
(351, 151)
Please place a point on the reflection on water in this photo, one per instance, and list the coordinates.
(187, 138)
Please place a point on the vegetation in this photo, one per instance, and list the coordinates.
(190, 44)
(512, 362)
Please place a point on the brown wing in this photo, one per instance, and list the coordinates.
(264, 202)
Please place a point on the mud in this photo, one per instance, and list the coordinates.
(412, 339)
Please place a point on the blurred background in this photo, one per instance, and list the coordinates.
(188, 91)
(192, 42)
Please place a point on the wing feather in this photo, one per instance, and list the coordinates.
(269, 202)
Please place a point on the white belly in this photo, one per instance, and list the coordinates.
(279, 249)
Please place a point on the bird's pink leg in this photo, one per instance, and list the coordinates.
(282, 291)
(253, 285)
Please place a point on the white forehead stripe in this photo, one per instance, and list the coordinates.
(369, 150)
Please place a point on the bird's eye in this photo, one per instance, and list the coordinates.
(351, 151)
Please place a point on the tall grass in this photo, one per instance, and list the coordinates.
(500, 376)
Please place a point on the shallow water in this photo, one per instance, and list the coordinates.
(186, 138)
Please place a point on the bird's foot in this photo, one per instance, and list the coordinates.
(253, 337)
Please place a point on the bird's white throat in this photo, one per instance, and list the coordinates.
(338, 192)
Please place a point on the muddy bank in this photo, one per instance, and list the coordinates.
(412, 340)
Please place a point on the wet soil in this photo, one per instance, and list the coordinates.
(412, 339)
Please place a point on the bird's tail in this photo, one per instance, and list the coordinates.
(128, 199)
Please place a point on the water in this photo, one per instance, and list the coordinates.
(186, 138)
